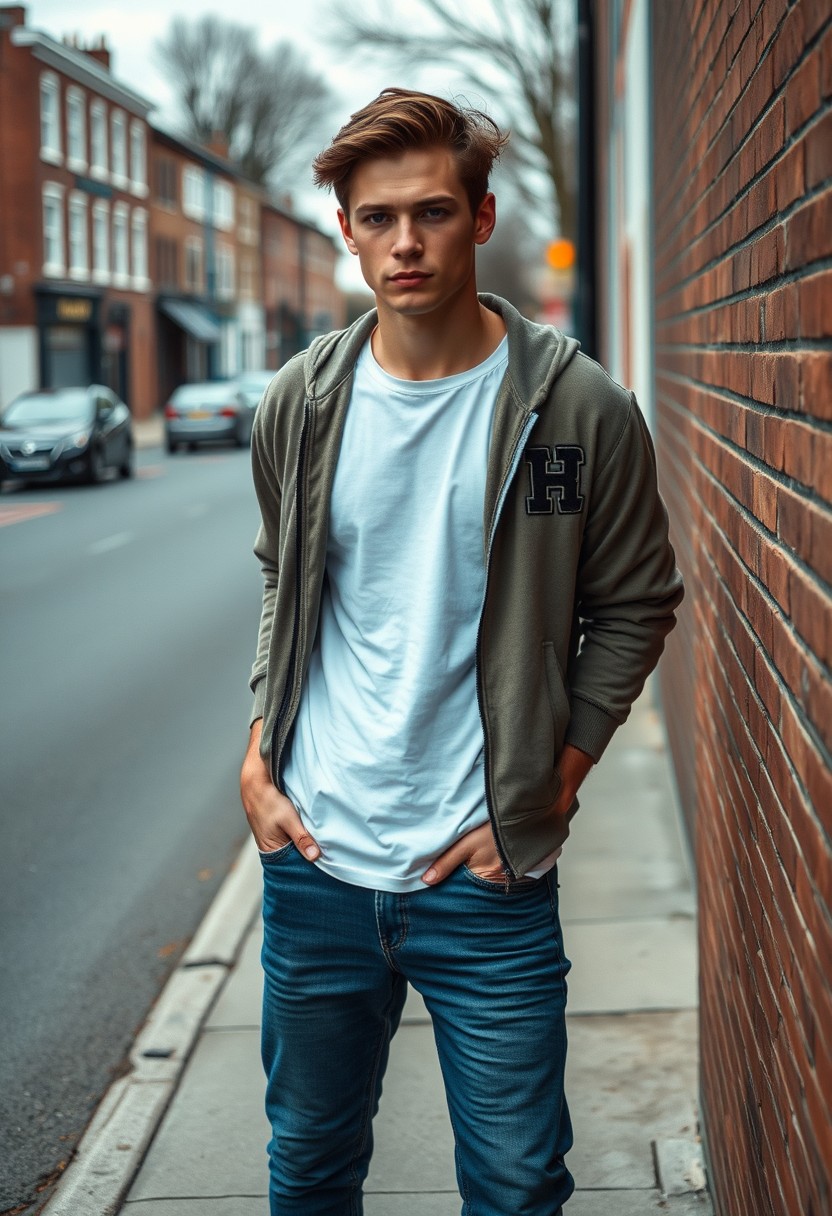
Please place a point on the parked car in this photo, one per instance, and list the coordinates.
(210, 411)
(53, 434)
(252, 384)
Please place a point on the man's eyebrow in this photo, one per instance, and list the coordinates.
(418, 205)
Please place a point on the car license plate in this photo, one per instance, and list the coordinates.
(199, 414)
(31, 464)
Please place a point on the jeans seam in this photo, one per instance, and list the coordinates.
(366, 1118)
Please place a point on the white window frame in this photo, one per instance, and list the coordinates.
(76, 103)
(120, 256)
(139, 249)
(138, 159)
(223, 205)
(118, 147)
(225, 285)
(79, 251)
(99, 142)
(193, 192)
(196, 287)
(51, 148)
(53, 193)
(101, 249)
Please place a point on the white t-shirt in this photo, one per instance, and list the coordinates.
(385, 762)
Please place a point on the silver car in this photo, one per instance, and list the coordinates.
(252, 384)
(215, 410)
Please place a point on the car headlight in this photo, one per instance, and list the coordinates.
(79, 440)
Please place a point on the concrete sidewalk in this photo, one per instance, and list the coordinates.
(629, 926)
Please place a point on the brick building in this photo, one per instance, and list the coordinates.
(714, 238)
(299, 291)
(205, 260)
(75, 301)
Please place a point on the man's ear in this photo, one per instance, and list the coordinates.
(346, 231)
(485, 220)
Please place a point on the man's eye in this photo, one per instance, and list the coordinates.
(435, 213)
(377, 217)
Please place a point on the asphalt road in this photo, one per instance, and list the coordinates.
(129, 614)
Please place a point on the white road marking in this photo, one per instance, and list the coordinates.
(108, 543)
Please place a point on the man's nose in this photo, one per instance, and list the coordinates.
(408, 241)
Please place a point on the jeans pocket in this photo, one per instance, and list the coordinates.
(504, 886)
(276, 854)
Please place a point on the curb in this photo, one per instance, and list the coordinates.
(114, 1145)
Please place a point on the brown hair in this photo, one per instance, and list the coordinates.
(400, 119)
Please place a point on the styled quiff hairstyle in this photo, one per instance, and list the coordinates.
(400, 119)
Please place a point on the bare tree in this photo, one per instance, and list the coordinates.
(520, 52)
(269, 105)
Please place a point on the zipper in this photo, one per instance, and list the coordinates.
(495, 519)
(290, 674)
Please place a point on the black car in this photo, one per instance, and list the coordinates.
(66, 433)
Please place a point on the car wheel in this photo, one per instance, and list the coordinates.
(170, 446)
(193, 447)
(95, 466)
(128, 468)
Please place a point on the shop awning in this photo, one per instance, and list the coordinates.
(193, 318)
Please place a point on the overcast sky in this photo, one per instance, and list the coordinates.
(132, 28)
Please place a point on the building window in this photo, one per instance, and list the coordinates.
(138, 164)
(248, 222)
(225, 273)
(79, 265)
(98, 139)
(50, 118)
(193, 264)
(138, 235)
(118, 147)
(100, 241)
(167, 268)
(53, 229)
(76, 129)
(193, 193)
(165, 181)
(223, 205)
(121, 266)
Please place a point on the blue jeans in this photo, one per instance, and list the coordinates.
(491, 968)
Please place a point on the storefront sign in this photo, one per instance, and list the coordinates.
(73, 310)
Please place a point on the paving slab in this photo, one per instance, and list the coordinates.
(582, 1203)
(624, 965)
(629, 1080)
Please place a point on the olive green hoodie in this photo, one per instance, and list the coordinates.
(581, 583)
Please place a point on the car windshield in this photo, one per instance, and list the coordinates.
(63, 406)
(214, 393)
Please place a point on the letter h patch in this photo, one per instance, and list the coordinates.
(554, 480)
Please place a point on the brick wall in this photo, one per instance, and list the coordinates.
(743, 249)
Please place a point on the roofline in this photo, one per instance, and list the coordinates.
(204, 155)
(270, 205)
(80, 67)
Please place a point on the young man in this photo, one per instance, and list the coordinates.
(467, 580)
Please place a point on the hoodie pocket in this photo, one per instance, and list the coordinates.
(558, 699)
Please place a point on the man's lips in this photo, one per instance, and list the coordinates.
(409, 276)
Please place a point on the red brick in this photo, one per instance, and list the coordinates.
(816, 384)
(818, 151)
(791, 176)
(809, 232)
(815, 302)
(803, 94)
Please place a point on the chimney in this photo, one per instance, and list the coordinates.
(218, 144)
(99, 51)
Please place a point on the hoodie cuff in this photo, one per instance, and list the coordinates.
(259, 708)
(590, 728)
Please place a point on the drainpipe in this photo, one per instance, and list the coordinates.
(585, 288)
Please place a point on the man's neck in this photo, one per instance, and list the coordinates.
(437, 344)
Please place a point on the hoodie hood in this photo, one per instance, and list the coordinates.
(537, 354)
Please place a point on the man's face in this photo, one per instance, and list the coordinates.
(410, 224)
